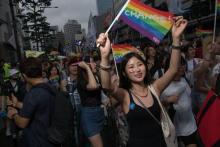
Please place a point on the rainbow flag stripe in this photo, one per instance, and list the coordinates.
(150, 22)
(119, 50)
(201, 32)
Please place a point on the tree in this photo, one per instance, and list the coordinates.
(34, 23)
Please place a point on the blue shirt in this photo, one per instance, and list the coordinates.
(36, 107)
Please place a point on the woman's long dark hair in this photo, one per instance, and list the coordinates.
(146, 51)
(49, 71)
(157, 63)
(125, 82)
(182, 62)
(81, 75)
(167, 62)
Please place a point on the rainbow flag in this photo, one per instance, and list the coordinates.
(201, 32)
(150, 22)
(119, 50)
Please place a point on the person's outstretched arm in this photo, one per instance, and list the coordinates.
(105, 69)
(179, 26)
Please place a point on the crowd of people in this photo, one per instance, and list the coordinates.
(111, 107)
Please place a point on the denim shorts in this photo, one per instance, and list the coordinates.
(92, 120)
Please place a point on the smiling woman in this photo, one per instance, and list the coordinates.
(131, 60)
(144, 126)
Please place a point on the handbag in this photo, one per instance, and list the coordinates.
(167, 126)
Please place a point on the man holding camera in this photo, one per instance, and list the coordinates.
(34, 110)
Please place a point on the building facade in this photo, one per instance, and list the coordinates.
(7, 31)
(56, 41)
(71, 28)
(103, 6)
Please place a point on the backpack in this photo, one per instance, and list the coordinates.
(61, 115)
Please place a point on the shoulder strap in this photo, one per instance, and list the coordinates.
(131, 97)
(208, 105)
(158, 99)
(152, 90)
(187, 80)
(145, 107)
(166, 123)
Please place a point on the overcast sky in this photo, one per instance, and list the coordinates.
(70, 9)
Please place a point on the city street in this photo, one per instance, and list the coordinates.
(109, 73)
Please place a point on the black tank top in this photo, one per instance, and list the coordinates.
(144, 130)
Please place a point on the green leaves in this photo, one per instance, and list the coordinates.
(35, 24)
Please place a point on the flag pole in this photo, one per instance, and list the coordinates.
(216, 10)
(109, 28)
(117, 17)
(116, 68)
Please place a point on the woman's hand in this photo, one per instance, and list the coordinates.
(83, 65)
(179, 26)
(105, 45)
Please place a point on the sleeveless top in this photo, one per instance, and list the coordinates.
(143, 129)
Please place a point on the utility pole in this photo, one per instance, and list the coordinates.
(14, 25)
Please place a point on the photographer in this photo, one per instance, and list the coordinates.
(14, 87)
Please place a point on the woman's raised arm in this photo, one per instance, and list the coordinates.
(179, 26)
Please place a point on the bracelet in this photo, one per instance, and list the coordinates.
(105, 67)
(176, 47)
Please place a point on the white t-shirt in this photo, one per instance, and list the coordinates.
(156, 75)
(191, 65)
(216, 69)
(183, 119)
